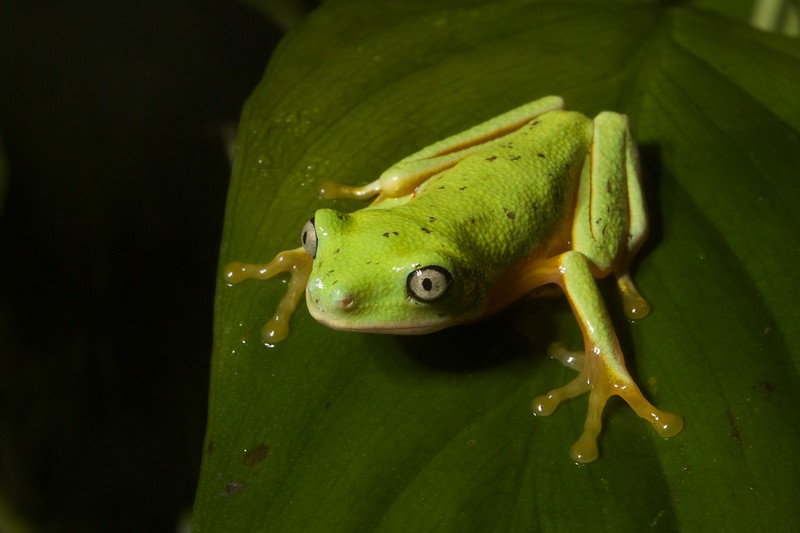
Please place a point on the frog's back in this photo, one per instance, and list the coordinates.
(504, 203)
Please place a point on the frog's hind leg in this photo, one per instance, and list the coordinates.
(610, 226)
(611, 217)
(602, 372)
(409, 173)
(634, 304)
(298, 263)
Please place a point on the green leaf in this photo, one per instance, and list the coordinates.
(332, 431)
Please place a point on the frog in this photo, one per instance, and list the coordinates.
(462, 229)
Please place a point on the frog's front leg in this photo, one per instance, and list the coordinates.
(298, 263)
(405, 176)
(603, 373)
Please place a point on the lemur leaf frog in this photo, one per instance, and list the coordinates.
(465, 227)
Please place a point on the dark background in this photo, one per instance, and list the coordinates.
(112, 118)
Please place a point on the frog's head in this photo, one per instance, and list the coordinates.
(379, 271)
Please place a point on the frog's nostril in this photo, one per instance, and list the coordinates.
(346, 301)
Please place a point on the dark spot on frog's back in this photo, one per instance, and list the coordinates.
(511, 215)
(491, 158)
(426, 230)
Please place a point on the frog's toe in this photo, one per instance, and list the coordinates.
(545, 405)
(634, 304)
(568, 358)
(584, 450)
(665, 423)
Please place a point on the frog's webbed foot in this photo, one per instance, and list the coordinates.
(298, 263)
(601, 382)
(601, 366)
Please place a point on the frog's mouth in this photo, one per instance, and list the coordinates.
(394, 330)
(421, 328)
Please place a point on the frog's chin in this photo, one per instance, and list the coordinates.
(388, 329)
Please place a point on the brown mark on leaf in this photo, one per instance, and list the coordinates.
(255, 455)
(736, 433)
(232, 487)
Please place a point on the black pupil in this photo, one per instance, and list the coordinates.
(427, 284)
(305, 237)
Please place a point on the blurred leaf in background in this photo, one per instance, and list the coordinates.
(111, 117)
(331, 431)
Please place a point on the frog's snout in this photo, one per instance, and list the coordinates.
(330, 303)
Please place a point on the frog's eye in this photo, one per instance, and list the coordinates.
(309, 238)
(428, 284)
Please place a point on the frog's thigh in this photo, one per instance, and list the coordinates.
(409, 173)
(609, 207)
(479, 135)
(610, 216)
(603, 373)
